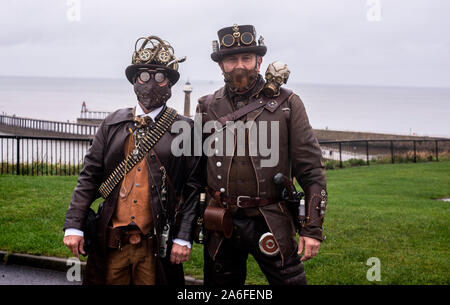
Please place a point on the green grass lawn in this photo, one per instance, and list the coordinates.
(384, 211)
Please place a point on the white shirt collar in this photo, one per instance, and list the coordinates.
(152, 114)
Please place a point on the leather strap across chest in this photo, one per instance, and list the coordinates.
(260, 102)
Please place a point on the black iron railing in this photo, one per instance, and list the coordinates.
(23, 155)
(42, 155)
(49, 126)
(360, 152)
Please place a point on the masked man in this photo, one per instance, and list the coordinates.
(142, 232)
(240, 177)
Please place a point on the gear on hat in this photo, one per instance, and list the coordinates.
(154, 53)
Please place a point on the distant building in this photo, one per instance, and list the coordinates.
(93, 118)
(187, 98)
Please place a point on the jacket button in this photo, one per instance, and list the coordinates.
(219, 177)
(132, 217)
(222, 190)
(219, 164)
(135, 201)
(139, 169)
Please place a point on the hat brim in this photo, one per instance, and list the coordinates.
(131, 71)
(258, 50)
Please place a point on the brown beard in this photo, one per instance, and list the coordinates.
(151, 95)
(240, 80)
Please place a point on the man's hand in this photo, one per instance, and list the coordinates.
(179, 254)
(75, 243)
(310, 245)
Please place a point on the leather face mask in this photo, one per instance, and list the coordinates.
(240, 79)
(151, 95)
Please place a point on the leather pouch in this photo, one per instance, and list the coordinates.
(90, 229)
(218, 219)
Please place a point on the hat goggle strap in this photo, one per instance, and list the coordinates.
(245, 38)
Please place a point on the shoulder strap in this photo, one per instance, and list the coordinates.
(161, 126)
(258, 103)
(287, 109)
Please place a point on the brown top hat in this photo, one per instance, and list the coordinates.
(237, 39)
(154, 53)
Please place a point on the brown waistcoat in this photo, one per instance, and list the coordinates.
(133, 204)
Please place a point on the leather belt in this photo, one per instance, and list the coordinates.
(247, 201)
(118, 237)
(241, 201)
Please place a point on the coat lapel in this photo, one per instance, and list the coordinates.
(221, 105)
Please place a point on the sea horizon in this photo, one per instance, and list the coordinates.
(219, 80)
(399, 110)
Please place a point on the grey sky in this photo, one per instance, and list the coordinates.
(322, 41)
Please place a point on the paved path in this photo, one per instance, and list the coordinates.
(26, 269)
(11, 274)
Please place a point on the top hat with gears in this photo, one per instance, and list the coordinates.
(237, 39)
(156, 54)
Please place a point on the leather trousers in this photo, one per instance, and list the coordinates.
(230, 265)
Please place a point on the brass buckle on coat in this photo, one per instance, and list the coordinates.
(238, 200)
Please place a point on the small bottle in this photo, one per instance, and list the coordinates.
(302, 211)
(200, 219)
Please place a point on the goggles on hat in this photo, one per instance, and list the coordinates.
(245, 38)
(146, 75)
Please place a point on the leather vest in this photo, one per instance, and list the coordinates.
(133, 206)
(222, 170)
(242, 175)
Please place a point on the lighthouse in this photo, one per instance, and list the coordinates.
(187, 99)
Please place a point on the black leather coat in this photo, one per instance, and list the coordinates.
(106, 152)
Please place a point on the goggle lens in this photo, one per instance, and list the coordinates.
(246, 38)
(228, 40)
(159, 77)
(144, 76)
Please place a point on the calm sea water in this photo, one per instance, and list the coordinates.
(397, 110)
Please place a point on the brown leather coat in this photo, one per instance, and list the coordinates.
(106, 152)
(299, 157)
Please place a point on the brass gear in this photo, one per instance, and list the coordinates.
(164, 56)
(145, 55)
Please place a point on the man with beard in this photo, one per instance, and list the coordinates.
(142, 232)
(263, 223)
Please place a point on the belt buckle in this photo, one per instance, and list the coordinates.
(238, 200)
(134, 239)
